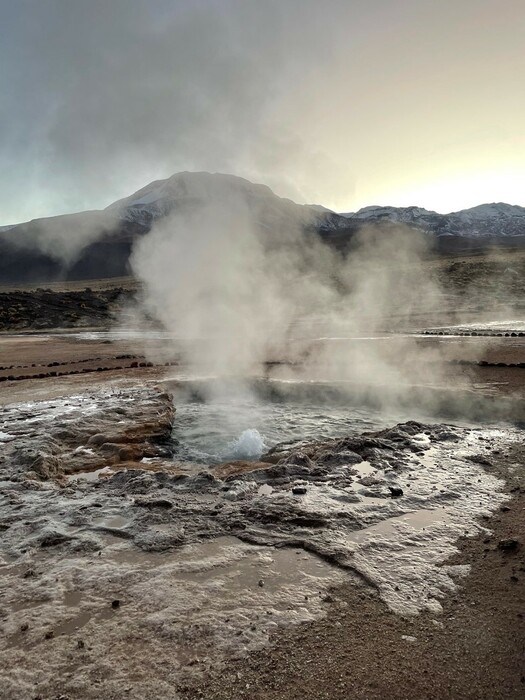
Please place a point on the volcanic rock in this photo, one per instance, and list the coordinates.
(509, 545)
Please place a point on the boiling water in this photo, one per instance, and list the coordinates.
(220, 430)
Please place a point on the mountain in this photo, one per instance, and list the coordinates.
(485, 220)
(187, 191)
(98, 244)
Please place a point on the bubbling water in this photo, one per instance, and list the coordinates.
(249, 445)
(221, 430)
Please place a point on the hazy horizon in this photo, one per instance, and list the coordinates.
(339, 104)
(370, 205)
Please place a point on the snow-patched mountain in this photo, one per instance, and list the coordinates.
(161, 197)
(405, 214)
(187, 191)
(97, 244)
(492, 220)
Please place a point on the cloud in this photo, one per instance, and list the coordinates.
(102, 97)
(316, 99)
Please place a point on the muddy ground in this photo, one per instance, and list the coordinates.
(147, 582)
(170, 581)
(40, 361)
(475, 650)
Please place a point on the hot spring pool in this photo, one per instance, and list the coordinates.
(220, 430)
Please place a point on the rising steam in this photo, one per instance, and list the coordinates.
(239, 291)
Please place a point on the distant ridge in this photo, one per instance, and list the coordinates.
(497, 219)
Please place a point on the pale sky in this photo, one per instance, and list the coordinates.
(344, 103)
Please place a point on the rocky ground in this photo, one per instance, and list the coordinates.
(474, 650)
(388, 565)
(41, 309)
(125, 574)
(471, 284)
(496, 273)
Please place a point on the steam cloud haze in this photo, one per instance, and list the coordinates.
(100, 97)
(63, 238)
(117, 94)
(240, 295)
(216, 275)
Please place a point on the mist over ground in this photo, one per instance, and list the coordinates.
(240, 296)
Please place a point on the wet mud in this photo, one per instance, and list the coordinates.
(126, 573)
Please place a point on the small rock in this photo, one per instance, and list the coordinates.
(153, 503)
(24, 627)
(299, 490)
(395, 491)
(115, 604)
(49, 635)
(80, 644)
(51, 539)
(509, 545)
(261, 583)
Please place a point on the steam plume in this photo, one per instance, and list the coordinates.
(240, 294)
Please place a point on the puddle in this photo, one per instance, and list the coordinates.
(14, 569)
(116, 521)
(189, 553)
(91, 476)
(273, 571)
(67, 627)
(139, 558)
(73, 598)
(418, 520)
(252, 567)
(364, 469)
(20, 606)
(75, 623)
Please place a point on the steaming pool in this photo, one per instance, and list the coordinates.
(216, 421)
(220, 430)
